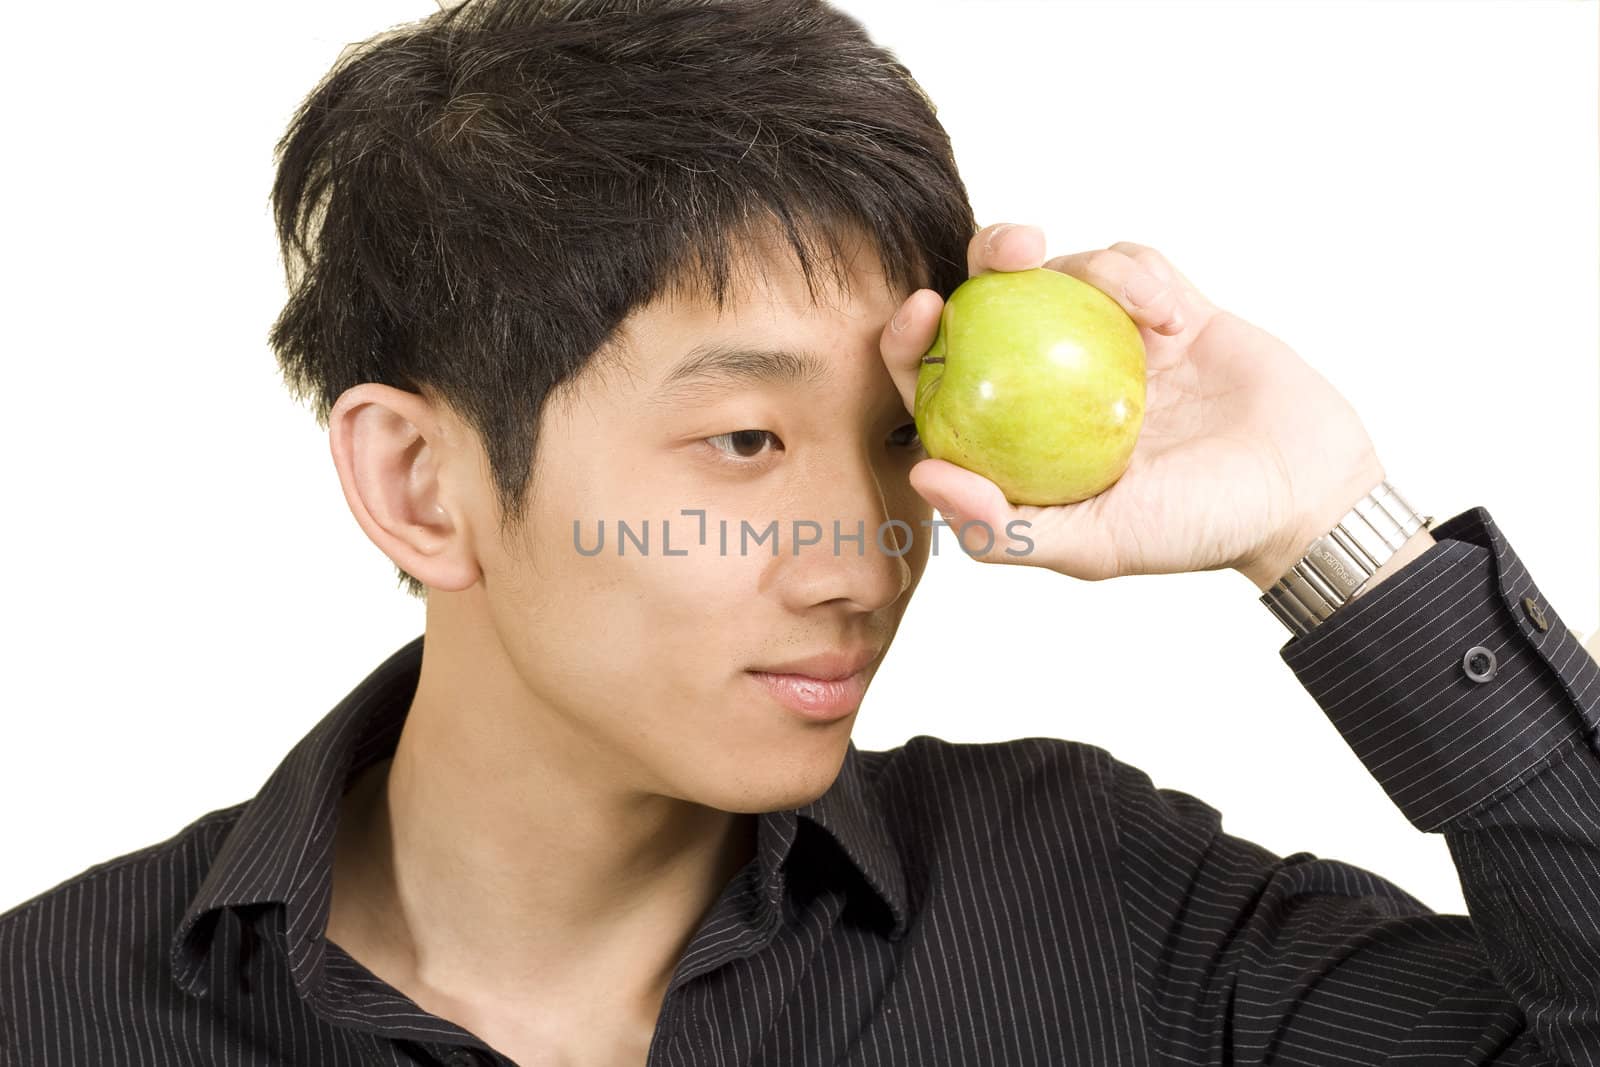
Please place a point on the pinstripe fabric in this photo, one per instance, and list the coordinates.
(1033, 901)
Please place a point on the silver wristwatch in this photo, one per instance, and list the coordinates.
(1341, 561)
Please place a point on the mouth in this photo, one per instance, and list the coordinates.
(831, 666)
(816, 699)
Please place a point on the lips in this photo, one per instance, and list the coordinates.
(813, 698)
(830, 666)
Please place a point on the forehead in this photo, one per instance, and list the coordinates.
(713, 368)
(771, 328)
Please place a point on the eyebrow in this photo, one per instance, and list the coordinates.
(712, 368)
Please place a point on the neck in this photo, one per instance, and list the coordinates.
(495, 857)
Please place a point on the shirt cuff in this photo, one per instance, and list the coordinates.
(1402, 673)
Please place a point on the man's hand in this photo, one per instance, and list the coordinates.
(1246, 454)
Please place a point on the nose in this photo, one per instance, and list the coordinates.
(853, 541)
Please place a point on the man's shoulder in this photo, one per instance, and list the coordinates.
(1031, 818)
(929, 773)
(1008, 751)
(1019, 755)
(187, 848)
(1061, 777)
(112, 921)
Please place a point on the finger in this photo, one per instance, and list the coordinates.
(1159, 265)
(1150, 301)
(1005, 246)
(1152, 261)
(965, 499)
(904, 346)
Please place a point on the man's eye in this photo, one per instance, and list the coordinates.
(745, 444)
(911, 441)
(748, 444)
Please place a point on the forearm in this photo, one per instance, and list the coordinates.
(1472, 704)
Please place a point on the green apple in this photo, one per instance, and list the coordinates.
(1036, 382)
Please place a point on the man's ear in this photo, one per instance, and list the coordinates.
(387, 445)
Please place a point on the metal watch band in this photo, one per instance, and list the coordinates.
(1342, 560)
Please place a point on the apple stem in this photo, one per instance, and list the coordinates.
(933, 359)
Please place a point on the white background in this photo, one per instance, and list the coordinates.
(1404, 192)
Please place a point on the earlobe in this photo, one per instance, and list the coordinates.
(395, 485)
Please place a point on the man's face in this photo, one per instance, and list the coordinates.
(644, 656)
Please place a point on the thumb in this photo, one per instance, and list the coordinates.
(1072, 539)
(965, 498)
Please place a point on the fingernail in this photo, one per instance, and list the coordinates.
(994, 235)
(1144, 288)
(898, 323)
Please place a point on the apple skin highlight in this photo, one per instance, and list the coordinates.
(1036, 380)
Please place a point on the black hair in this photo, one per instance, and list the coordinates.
(469, 205)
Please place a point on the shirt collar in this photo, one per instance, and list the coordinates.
(280, 849)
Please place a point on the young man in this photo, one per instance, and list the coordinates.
(554, 269)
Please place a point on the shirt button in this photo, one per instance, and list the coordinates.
(1478, 663)
(1535, 614)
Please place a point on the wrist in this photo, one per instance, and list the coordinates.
(1265, 575)
(1288, 549)
(1377, 537)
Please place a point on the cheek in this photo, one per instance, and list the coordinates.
(646, 620)
(907, 505)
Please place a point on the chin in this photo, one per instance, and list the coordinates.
(775, 780)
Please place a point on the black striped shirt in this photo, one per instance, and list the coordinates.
(1032, 901)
